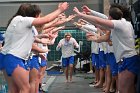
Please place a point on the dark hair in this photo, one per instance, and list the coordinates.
(115, 13)
(27, 10)
(34, 11)
(124, 9)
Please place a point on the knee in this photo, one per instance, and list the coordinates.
(13, 90)
(27, 88)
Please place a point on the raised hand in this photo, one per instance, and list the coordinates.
(45, 41)
(42, 56)
(86, 9)
(70, 17)
(63, 6)
(57, 29)
(76, 10)
(77, 24)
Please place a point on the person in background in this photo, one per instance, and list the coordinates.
(67, 45)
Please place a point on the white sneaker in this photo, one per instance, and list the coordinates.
(90, 72)
(91, 85)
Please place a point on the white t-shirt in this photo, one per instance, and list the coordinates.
(35, 33)
(123, 39)
(105, 46)
(19, 37)
(110, 49)
(101, 46)
(94, 47)
(67, 47)
(45, 47)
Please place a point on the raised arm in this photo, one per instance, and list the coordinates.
(64, 20)
(87, 28)
(38, 49)
(42, 20)
(92, 12)
(42, 40)
(104, 38)
(57, 29)
(47, 30)
(104, 22)
(50, 24)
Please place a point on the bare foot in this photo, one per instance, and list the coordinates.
(112, 90)
(66, 81)
(107, 91)
(98, 85)
(71, 81)
(104, 89)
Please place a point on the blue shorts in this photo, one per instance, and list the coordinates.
(107, 58)
(132, 64)
(11, 62)
(1, 61)
(93, 59)
(113, 65)
(102, 59)
(43, 63)
(67, 61)
(97, 61)
(34, 63)
(96, 56)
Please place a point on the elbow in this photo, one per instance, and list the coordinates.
(77, 46)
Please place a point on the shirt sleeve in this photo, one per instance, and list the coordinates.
(90, 27)
(117, 24)
(75, 43)
(28, 20)
(59, 45)
(98, 14)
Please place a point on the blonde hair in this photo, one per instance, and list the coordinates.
(67, 34)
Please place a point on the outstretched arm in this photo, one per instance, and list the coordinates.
(92, 12)
(104, 22)
(42, 20)
(50, 24)
(38, 49)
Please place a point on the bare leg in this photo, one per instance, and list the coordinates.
(12, 87)
(21, 78)
(33, 80)
(71, 71)
(97, 74)
(41, 76)
(66, 73)
(104, 84)
(101, 81)
(112, 86)
(126, 82)
(108, 79)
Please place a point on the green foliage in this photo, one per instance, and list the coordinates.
(137, 43)
(137, 47)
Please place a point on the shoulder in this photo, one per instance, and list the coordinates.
(62, 40)
(72, 38)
